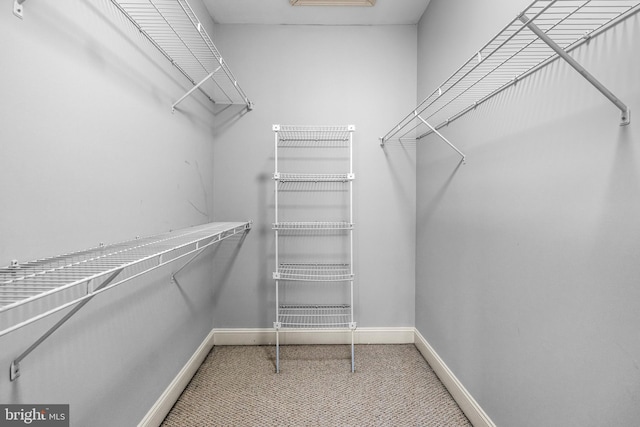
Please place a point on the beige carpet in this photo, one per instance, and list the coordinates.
(392, 386)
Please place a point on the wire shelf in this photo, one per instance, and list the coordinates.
(340, 225)
(512, 54)
(292, 135)
(314, 272)
(313, 177)
(25, 283)
(174, 29)
(315, 316)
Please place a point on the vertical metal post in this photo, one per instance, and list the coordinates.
(277, 351)
(353, 359)
(352, 324)
(276, 324)
(626, 112)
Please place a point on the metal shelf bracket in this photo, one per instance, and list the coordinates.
(625, 111)
(173, 107)
(440, 135)
(17, 8)
(15, 365)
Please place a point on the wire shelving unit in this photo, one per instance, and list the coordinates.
(308, 144)
(545, 31)
(47, 286)
(175, 30)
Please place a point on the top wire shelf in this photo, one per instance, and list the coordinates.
(307, 136)
(174, 29)
(512, 54)
(90, 271)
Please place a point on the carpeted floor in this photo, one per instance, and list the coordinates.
(392, 386)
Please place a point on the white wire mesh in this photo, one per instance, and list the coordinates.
(326, 225)
(510, 55)
(173, 28)
(291, 135)
(26, 282)
(314, 177)
(314, 272)
(315, 316)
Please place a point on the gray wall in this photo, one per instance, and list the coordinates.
(321, 75)
(92, 153)
(527, 255)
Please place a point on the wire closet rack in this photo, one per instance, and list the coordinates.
(175, 30)
(321, 149)
(50, 285)
(543, 32)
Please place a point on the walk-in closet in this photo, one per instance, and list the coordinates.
(320, 213)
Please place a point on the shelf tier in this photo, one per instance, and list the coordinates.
(313, 226)
(174, 29)
(314, 272)
(27, 282)
(313, 177)
(337, 316)
(512, 54)
(293, 135)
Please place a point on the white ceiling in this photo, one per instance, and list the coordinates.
(280, 12)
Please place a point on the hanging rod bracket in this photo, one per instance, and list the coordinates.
(17, 8)
(626, 113)
(434, 130)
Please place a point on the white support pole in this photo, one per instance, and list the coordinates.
(626, 113)
(442, 137)
(173, 107)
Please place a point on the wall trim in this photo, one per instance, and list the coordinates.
(267, 336)
(170, 396)
(463, 398)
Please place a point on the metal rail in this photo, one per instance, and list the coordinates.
(514, 53)
(95, 271)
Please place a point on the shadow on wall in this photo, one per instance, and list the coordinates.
(265, 285)
(618, 220)
(95, 41)
(400, 156)
(434, 202)
(224, 256)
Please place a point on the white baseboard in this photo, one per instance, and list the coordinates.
(267, 336)
(165, 402)
(463, 398)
